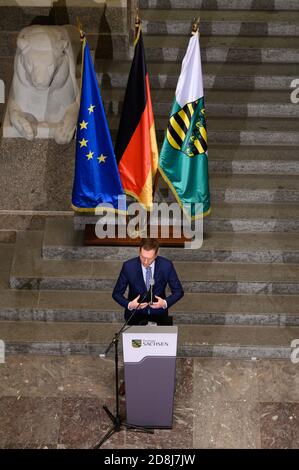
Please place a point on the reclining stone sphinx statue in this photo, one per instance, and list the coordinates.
(44, 97)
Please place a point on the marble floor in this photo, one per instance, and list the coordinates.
(56, 402)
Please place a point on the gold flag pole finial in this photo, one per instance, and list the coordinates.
(195, 25)
(137, 25)
(80, 29)
(137, 17)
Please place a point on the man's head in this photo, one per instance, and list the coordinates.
(148, 251)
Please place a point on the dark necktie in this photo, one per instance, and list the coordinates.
(148, 276)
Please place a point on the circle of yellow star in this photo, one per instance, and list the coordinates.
(91, 108)
(83, 143)
(102, 158)
(90, 155)
(83, 125)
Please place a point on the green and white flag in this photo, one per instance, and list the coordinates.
(183, 161)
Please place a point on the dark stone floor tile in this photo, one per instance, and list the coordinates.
(179, 437)
(57, 402)
(278, 381)
(29, 421)
(184, 381)
(225, 380)
(89, 377)
(226, 425)
(84, 423)
(33, 376)
(30, 445)
(279, 424)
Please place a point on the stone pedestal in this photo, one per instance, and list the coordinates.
(36, 180)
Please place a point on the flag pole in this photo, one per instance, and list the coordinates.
(80, 29)
(137, 24)
(140, 223)
(155, 183)
(156, 180)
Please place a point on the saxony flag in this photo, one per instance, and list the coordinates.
(183, 161)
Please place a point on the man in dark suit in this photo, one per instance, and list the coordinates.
(143, 273)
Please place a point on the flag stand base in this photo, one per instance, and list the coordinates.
(91, 239)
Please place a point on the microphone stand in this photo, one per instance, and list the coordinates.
(117, 422)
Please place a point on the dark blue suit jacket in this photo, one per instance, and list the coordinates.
(131, 275)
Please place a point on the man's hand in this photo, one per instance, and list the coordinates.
(160, 304)
(135, 303)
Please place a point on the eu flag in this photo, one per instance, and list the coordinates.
(97, 181)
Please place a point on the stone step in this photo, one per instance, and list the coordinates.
(225, 49)
(16, 18)
(242, 189)
(30, 271)
(212, 96)
(240, 218)
(13, 220)
(253, 160)
(94, 306)
(261, 76)
(260, 104)
(253, 167)
(194, 308)
(244, 131)
(107, 45)
(195, 340)
(42, 198)
(250, 218)
(115, 74)
(29, 209)
(269, 104)
(91, 14)
(62, 242)
(278, 127)
(231, 23)
(222, 4)
(254, 188)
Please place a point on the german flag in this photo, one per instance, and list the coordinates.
(136, 148)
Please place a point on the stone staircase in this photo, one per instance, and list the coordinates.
(242, 286)
(56, 296)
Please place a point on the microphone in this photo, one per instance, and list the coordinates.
(152, 283)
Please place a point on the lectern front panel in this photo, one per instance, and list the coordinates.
(149, 360)
(149, 392)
